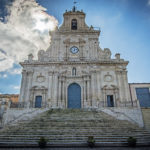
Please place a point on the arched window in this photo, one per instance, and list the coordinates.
(74, 24)
(74, 72)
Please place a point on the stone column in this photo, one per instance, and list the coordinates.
(43, 98)
(81, 52)
(64, 92)
(50, 85)
(123, 90)
(95, 49)
(23, 86)
(59, 91)
(92, 88)
(99, 83)
(96, 82)
(52, 91)
(46, 99)
(55, 89)
(127, 86)
(95, 89)
(84, 92)
(66, 52)
(119, 84)
(88, 90)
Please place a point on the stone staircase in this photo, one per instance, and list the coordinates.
(72, 127)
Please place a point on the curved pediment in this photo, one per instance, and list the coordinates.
(110, 87)
(38, 88)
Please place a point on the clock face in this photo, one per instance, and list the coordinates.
(74, 49)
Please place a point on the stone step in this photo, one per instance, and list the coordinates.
(112, 132)
(73, 131)
(50, 131)
(98, 131)
(72, 139)
(73, 126)
(77, 122)
(70, 135)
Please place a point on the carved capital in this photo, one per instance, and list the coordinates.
(50, 73)
(30, 73)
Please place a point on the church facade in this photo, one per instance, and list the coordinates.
(74, 72)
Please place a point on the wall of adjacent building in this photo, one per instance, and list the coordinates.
(141, 92)
(146, 117)
(5, 99)
(142, 101)
(133, 87)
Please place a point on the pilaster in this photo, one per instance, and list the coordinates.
(28, 86)
(23, 86)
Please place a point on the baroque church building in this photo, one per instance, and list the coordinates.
(74, 72)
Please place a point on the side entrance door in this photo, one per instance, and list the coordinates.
(38, 101)
(110, 101)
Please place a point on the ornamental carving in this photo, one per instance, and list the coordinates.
(108, 77)
(40, 78)
(104, 54)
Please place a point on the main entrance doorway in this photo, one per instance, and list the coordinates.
(74, 96)
(38, 101)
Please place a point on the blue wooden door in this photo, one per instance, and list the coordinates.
(110, 101)
(143, 95)
(38, 101)
(74, 96)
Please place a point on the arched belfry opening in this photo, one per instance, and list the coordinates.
(74, 96)
(74, 24)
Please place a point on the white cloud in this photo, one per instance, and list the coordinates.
(25, 31)
(15, 71)
(148, 2)
(3, 75)
(16, 87)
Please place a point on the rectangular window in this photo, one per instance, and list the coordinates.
(143, 95)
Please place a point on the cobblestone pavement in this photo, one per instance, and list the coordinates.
(100, 148)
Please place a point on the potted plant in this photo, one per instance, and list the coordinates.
(42, 142)
(131, 141)
(91, 141)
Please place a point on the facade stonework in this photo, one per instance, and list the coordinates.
(75, 62)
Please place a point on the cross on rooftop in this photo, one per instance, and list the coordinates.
(75, 2)
(74, 7)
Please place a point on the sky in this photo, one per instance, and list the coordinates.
(24, 27)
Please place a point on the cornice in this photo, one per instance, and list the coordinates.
(107, 62)
(85, 32)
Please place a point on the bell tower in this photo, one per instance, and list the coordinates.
(74, 20)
